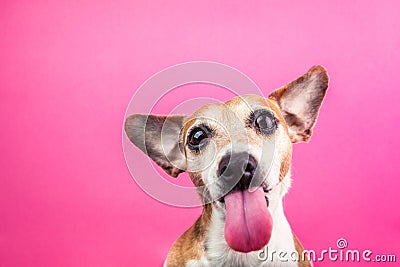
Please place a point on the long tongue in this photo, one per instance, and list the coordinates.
(248, 223)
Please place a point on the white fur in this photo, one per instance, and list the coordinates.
(220, 254)
(269, 152)
(203, 262)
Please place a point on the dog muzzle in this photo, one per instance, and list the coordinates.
(248, 222)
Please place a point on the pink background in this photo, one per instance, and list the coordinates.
(68, 70)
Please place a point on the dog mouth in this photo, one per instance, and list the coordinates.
(265, 189)
(248, 222)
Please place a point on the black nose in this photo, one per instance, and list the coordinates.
(238, 167)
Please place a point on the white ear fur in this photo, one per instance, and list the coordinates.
(300, 102)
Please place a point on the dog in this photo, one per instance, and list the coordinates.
(238, 155)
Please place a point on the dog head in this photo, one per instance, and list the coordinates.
(237, 153)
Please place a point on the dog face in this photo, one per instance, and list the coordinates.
(231, 146)
(244, 143)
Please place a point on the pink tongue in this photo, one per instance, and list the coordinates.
(248, 223)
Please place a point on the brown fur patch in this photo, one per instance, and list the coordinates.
(285, 164)
(189, 245)
(287, 159)
(188, 122)
(276, 109)
(299, 248)
(196, 179)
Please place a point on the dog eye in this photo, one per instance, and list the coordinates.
(264, 121)
(198, 137)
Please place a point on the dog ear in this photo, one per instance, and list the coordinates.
(300, 102)
(158, 137)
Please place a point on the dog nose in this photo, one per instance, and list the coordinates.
(239, 167)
